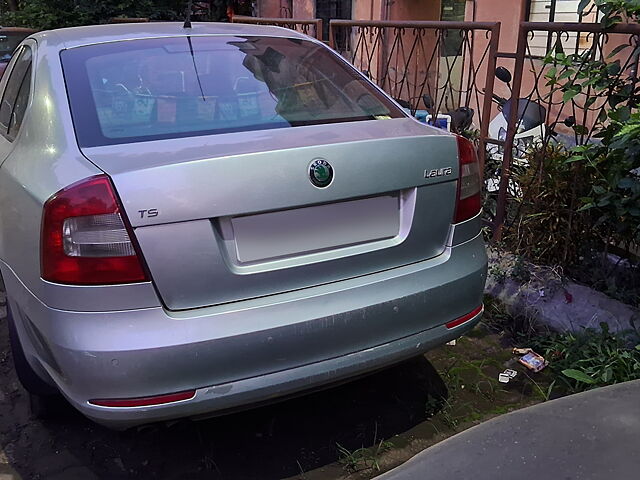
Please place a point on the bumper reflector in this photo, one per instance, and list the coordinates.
(145, 401)
(465, 318)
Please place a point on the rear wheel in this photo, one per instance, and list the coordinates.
(48, 406)
(44, 399)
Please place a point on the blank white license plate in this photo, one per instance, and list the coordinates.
(293, 232)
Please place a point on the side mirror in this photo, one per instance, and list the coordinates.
(428, 101)
(503, 75)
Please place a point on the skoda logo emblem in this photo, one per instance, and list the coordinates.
(320, 172)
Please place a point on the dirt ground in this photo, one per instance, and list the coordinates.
(356, 430)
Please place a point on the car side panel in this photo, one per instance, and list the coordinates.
(43, 159)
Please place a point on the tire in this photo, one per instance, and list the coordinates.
(44, 399)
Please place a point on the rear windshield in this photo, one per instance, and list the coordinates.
(133, 91)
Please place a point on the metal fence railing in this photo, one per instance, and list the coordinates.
(432, 66)
(311, 27)
(572, 109)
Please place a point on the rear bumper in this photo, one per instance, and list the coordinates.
(232, 395)
(250, 352)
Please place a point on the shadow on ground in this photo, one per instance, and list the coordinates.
(272, 442)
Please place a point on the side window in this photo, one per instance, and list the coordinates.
(20, 106)
(16, 95)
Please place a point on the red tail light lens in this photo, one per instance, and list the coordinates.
(465, 318)
(85, 240)
(470, 183)
(145, 401)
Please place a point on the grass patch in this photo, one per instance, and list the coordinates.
(502, 409)
(470, 371)
(363, 458)
(462, 390)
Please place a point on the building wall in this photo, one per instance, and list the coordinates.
(421, 67)
(304, 9)
(362, 9)
(271, 8)
(413, 10)
(510, 18)
(367, 9)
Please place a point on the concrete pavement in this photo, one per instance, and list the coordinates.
(591, 435)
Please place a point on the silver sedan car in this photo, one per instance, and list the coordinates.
(196, 220)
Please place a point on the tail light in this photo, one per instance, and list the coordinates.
(85, 240)
(145, 401)
(470, 184)
(465, 318)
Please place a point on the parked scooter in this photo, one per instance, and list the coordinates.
(530, 132)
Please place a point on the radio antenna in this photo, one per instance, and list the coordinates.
(187, 20)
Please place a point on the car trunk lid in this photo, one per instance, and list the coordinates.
(228, 217)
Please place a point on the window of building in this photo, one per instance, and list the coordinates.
(452, 11)
(557, 11)
(329, 9)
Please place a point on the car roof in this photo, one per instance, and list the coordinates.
(91, 34)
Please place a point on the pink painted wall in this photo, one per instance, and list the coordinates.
(413, 10)
(509, 14)
(269, 8)
(304, 8)
(361, 9)
(421, 68)
(366, 9)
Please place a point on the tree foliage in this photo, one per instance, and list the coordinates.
(612, 163)
(48, 14)
(613, 11)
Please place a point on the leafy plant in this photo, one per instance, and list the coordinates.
(583, 201)
(545, 393)
(433, 405)
(613, 11)
(579, 375)
(612, 163)
(615, 275)
(591, 358)
(615, 193)
(448, 417)
(520, 270)
(546, 228)
(363, 458)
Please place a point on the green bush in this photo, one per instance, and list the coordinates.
(613, 166)
(48, 14)
(592, 358)
(545, 225)
(581, 203)
(613, 11)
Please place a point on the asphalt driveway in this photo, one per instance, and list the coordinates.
(593, 435)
